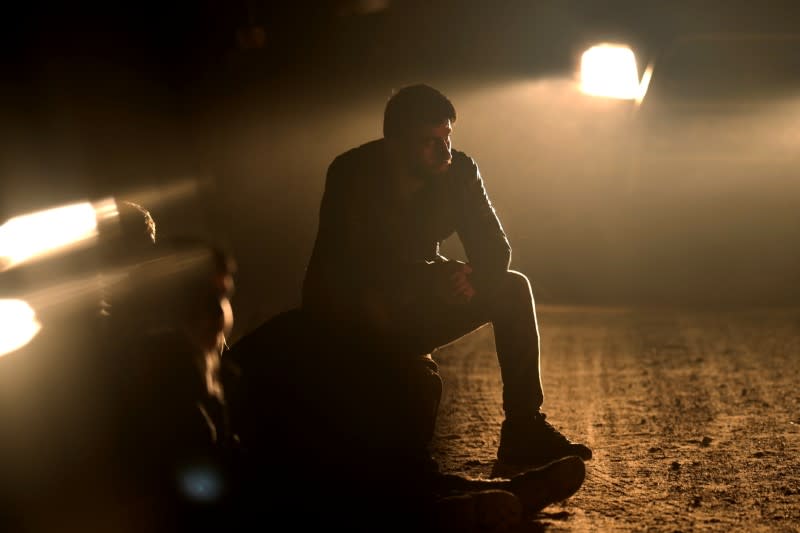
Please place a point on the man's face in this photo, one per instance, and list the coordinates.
(429, 149)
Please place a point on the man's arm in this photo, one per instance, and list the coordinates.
(341, 269)
(328, 274)
(479, 228)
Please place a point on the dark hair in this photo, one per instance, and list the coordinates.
(415, 105)
(136, 223)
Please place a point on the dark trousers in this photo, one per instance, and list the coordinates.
(508, 305)
(383, 389)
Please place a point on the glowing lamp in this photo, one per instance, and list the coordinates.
(41, 233)
(18, 325)
(609, 70)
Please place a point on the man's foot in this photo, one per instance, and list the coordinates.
(533, 441)
(480, 510)
(554, 482)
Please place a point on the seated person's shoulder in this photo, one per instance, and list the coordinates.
(361, 157)
(354, 171)
(463, 166)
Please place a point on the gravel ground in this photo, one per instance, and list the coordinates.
(692, 415)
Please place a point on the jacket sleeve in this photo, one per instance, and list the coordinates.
(481, 233)
(330, 271)
(344, 271)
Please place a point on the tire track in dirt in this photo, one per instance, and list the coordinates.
(752, 472)
(620, 396)
(694, 417)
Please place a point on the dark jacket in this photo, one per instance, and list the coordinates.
(366, 241)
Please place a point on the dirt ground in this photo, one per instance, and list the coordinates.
(692, 415)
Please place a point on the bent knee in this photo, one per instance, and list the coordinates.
(516, 284)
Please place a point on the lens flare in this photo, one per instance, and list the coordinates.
(18, 325)
(202, 484)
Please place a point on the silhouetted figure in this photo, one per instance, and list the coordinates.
(114, 417)
(346, 386)
(55, 406)
(173, 449)
(377, 286)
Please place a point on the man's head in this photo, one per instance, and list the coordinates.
(137, 225)
(417, 123)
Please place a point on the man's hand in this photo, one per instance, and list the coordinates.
(453, 282)
(447, 281)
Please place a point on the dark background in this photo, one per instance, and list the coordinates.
(603, 202)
